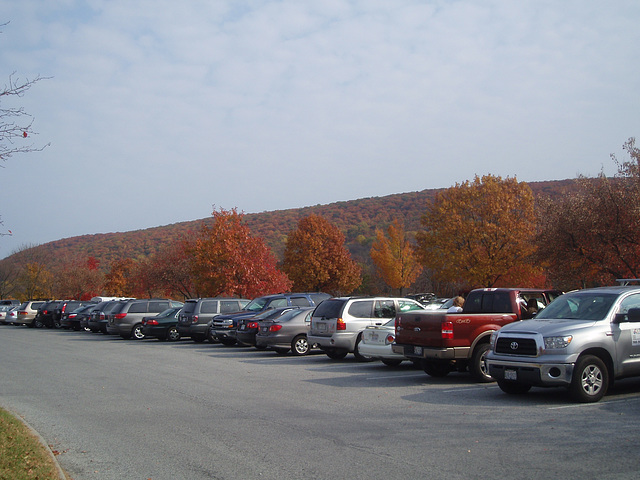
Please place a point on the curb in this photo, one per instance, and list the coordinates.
(61, 474)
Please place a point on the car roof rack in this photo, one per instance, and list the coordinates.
(626, 281)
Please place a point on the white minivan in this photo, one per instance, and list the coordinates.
(337, 323)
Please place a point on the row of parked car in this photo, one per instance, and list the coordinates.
(363, 326)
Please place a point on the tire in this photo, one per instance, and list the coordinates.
(336, 354)
(357, 354)
(198, 338)
(513, 388)
(436, 369)
(390, 362)
(212, 338)
(136, 332)
(56, 324)
(590, 380)
(300, 345)
(172, 334)
(478, 367)
(228, 341)
(260, 347)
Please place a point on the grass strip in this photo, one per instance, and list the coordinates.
(22, 455)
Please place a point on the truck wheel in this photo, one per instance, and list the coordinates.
(436, 369)
(478, 368)
(513, 388)
(590, 380)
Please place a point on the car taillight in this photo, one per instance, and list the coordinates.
(447, 330)
(22, 313)
(390, 339)
(101, 316)
(119, 316)
(152, 322)
(252, 325)
(340, 324)
(195, 319)
(275, 328)
(64, 307)
(72, 315)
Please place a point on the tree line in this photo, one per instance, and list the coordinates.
(485, 232)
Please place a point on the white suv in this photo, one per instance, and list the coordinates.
(337, 323)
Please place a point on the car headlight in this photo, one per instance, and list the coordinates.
(553, 343)
(492, 340)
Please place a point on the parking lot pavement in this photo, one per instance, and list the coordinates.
(149, 409)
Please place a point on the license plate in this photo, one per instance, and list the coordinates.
(510, 375)
(417, 350)
(321, 327)
(374, 337)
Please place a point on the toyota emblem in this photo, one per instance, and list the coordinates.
(514, 345)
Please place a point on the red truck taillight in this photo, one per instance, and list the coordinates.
(340, 324)
(447, 330)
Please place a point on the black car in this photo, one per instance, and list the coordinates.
(163, 326)
(224, 327)
(72, 318)
(249, 327)
(99, 316)
(45, 315)
(62, 311)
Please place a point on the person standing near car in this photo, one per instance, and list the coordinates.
(458, 302)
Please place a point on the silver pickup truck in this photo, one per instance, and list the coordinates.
(583, 340)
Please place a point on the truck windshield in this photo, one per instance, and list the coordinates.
(579, 306)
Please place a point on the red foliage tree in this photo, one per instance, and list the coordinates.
(225, 260)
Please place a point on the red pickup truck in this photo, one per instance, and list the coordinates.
(443, 342)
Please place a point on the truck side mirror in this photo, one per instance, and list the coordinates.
(633, 315)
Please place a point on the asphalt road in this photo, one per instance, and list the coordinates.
(125, 409)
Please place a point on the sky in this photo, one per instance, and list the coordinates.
(158, 111)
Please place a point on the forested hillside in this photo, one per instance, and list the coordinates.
(357, 219)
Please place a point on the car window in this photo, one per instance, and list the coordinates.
(329, 309)
(158, 306)
(277, 302)
(300, 301)
(256, 304)
(189, 307)
(384, 309)
(632, 301)
(361, 309)
(138, 307)
(209, 306)
(228, 306)
(407, 306)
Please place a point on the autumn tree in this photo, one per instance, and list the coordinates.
(78, 279)
(119, 280)
(316, 259)
(225, 260)
(395, 257)
(592, 236)
(172, 270)
(481, 233)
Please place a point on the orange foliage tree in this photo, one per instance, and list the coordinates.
(172, 271)
(395, 257)
(225, 260)
(481, 234)
(316, 259)
(119, 280)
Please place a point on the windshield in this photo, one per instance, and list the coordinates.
(256, 305)
(580, 306)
